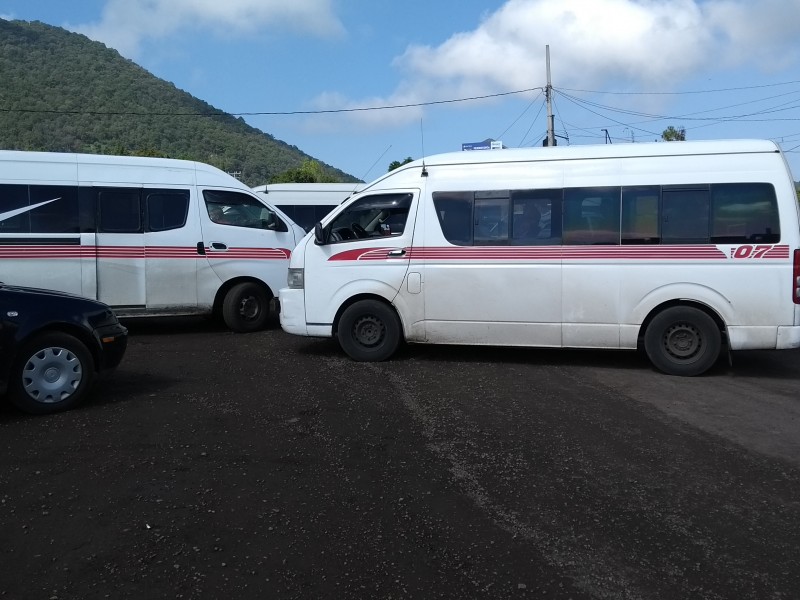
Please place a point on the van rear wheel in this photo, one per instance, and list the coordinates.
(369, 330)
(246, 307)
(683, 341)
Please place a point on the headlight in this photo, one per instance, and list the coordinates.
(296, 280)
(102, 318)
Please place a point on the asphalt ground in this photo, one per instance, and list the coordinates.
(221, 465)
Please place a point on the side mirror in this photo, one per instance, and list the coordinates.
(320, 239)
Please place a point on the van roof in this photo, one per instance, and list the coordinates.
(201, 171)
(599, 151)
(73, 157)
(308, 187)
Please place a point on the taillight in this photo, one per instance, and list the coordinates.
(796, 278)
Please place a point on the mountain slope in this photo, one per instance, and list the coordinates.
(62, 92)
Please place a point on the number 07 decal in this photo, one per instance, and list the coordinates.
(748, 251)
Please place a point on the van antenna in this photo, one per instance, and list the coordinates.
(372, 166)
(422, 140)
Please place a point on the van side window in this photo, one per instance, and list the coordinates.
(372, 216)
(39, 209)
(724, 213)
(240, 210)
(57, 211)
(454, 210)
(685, 215)
(306, 215)
(591, 215)
(491, 215)
(120, 210)
(536, 217)
(13, 198)
(166, 209)
(744, 212)
(640, 222)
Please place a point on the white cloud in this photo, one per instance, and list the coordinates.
(126, 23)
(597, 44)
(761, 33)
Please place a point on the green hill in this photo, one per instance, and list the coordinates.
(62, 92)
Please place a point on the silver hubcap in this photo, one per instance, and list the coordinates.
(52, 375)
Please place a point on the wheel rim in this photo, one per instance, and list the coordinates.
(369, 331)
(682, 341)
(249, 308)
(52, 375)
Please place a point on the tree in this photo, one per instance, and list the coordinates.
(670, 134)
(396, 163)
(309, 172)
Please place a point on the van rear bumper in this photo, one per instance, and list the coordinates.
(788, 337)
(763, 337)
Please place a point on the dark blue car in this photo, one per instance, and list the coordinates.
(52, 345)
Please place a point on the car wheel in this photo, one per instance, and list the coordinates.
(683, 341)
(246, 307)
(369, 330)
(54, 372)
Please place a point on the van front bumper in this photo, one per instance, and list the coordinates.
(293, 315)
(293, 311)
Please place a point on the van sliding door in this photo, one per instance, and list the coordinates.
(120, 248)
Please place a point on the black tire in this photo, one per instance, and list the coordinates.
(683, 341)
(369, 330)
(54, 372)
(246, 307)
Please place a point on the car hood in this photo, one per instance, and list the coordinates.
(18, 289)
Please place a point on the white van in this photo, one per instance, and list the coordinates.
(307, 203)
(147, 236)
(682, 249)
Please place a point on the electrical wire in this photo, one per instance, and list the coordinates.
(262, 113)
(735, 89)
(500, 137)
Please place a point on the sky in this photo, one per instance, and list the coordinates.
(358, 84)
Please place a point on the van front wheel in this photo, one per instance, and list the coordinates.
(246, 307)
(683, 341)
(369, 330)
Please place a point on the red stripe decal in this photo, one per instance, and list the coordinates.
(363, 254)
(569, 253)
(552, 253)
(139, 252)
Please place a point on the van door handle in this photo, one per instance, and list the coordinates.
(218, 246)
(396, 252)
(201, 249)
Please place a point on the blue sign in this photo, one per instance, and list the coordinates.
(489, 144)
(484, 145)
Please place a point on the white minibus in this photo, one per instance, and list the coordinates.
(306, 203)
(683, 249)
(147, 236)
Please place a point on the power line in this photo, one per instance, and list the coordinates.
(267, 113)
(522, 114)
(735, 89)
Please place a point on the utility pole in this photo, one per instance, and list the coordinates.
(548, 92)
